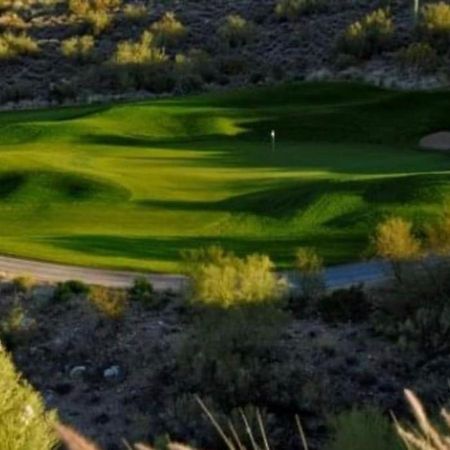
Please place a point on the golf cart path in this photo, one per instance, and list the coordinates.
(336, 277)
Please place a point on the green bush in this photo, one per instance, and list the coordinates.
(419, 56)
(223, 279)
(345, 305)
(292, 9)
(363, 429)
(66, 290)
(236, 31)
(142, 291)
(25, 425)
(78, 47)
(434, 24)
(368, 36)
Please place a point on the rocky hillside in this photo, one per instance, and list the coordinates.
(55, 51)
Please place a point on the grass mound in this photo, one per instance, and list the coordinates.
(131, 185)
(43, 186)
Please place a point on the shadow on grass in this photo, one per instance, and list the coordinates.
(285, 201)
(335, 248)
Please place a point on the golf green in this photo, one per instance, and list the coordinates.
(131, 185)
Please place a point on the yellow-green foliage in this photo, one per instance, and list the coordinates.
(23, 284)
(168, 29)
(98, 20)
(11, 19)
(395, 241)
(78, 47)
(97, 13)
(435, 23)
(223, 279)
(438, 235)
(82, 7)
(112, 303)
(310, 267)
(236, 30)
(14, 45)
(137, 53)
(24, 423)
(135, 12)
(419, 56)
(367, 36)
(308, 261)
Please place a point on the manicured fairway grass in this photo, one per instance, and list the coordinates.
(131, 185)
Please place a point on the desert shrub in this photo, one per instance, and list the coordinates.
(25, 425)
(22, 284)
(236, 30)
(364, 428)
(168, 30)
(222, 279)
(311, 275)
(98, 20)
(143, 65)
(142, 291)
(394, 241)
(111, 303)
(78, 47)
(438, 235)
(416, 312)
(135, 12)
(368, 36)
(97, 13)
(82, 7)
(10, 19)
(345, 305)
(143, 52)
(14, 326)
(67, 290)
(224, 352)
(419, 56)
(14, 45)
(292, 9)
(434, 24)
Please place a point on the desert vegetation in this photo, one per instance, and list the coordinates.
(258, 43)
(289, 365)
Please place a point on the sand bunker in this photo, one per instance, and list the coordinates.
(436, 141)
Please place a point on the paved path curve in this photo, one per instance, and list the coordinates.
(337, 276)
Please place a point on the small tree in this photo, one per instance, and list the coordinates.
(24, 423)
(310, 267)
(395, 242)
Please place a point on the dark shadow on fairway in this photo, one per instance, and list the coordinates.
(335, 248)
(285, 201)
